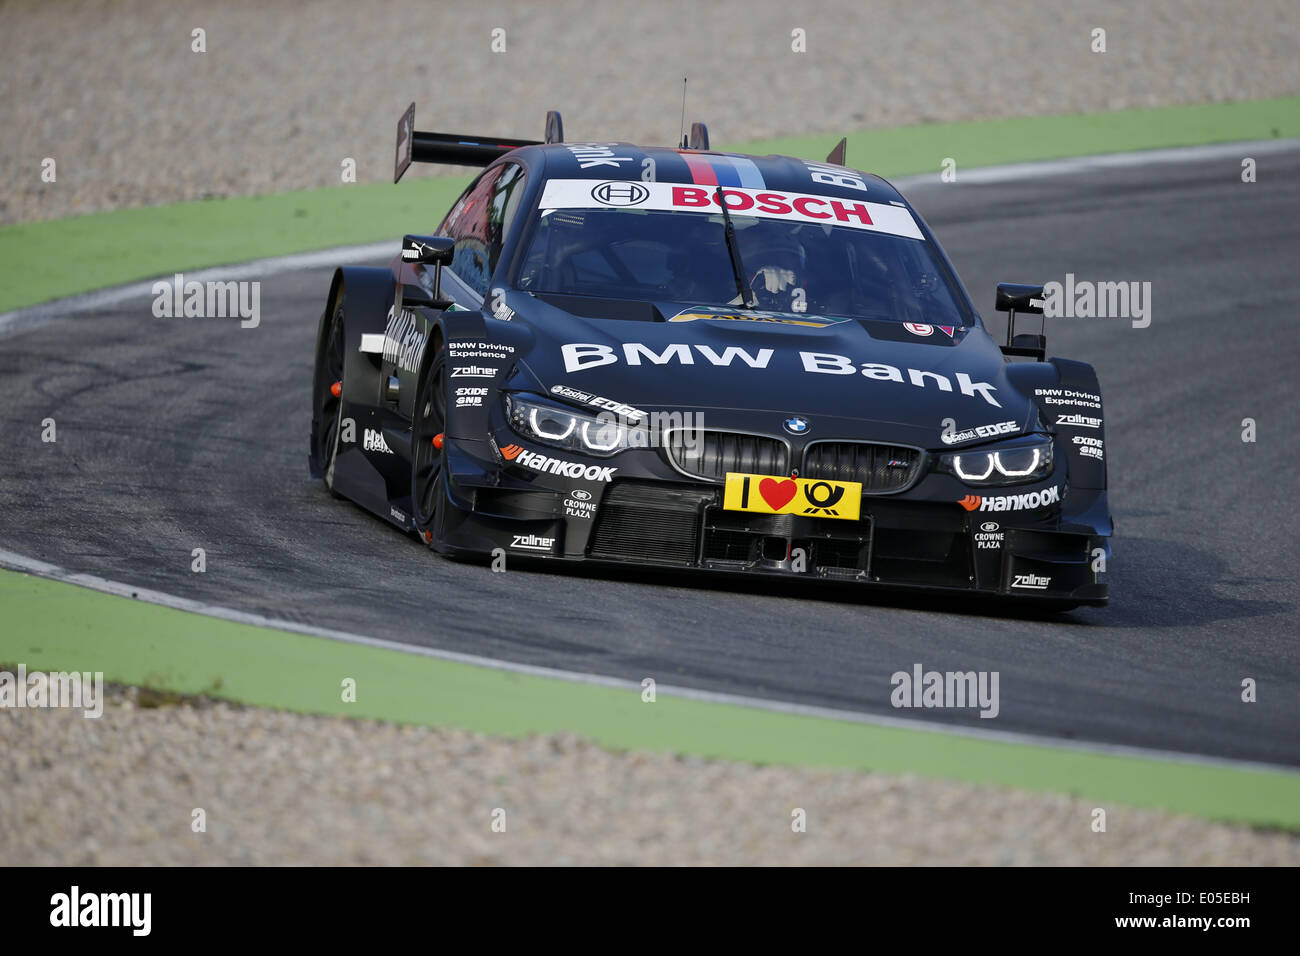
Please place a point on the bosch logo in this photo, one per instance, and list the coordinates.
(620, 194)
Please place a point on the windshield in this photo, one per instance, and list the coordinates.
(792, 262)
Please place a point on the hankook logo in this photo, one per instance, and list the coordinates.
(1030, 501)
(620, 194)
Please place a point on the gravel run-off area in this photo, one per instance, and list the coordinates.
(285, 92)
(283, 788)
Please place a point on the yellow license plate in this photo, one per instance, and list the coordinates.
(813, 497)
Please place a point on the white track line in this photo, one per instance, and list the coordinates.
(1014, 172)
(18, 562)
(34, 315)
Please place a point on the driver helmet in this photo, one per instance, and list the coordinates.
(777, 266)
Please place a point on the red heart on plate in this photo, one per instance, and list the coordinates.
(777, 492)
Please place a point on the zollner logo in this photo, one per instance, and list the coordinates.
(1035, 582)
(1079, 421)
(532, 542)
(620, 194)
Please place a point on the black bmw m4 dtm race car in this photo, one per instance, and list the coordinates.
(681, 358)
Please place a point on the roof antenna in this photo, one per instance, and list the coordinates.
(683, 112)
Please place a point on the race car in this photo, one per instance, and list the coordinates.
(675, 357)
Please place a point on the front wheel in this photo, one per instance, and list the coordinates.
(327, 405)
(428, 494)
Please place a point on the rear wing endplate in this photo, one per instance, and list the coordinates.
(415, 146)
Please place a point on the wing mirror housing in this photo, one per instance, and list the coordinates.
(1013, 297)
(429, 251)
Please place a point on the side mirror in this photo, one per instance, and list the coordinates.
(428, 249)
(1013, 297)
(435, 251)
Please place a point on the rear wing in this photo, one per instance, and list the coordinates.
(414, 146)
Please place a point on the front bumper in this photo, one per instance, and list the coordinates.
(897, 543)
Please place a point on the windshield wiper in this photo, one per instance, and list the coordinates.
(733, 249)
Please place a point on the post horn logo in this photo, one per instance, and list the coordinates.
(823, 497)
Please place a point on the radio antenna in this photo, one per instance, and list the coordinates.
(683, 112)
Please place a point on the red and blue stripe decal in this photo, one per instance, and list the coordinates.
(723, 171)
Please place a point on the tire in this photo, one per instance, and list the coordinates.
(327, 409)
(428, 464)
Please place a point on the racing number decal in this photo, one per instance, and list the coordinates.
(811, 497)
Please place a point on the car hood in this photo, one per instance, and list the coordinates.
(883, 379)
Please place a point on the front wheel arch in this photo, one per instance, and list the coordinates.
(364, 294)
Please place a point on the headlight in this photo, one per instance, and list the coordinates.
(548, 424)
(1012, 463)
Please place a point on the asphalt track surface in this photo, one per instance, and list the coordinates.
(187, 433)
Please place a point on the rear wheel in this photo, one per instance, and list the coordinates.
(328, 405)
(428, 476)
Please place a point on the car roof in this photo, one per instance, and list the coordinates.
(625, 161)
